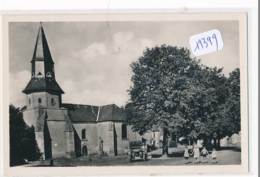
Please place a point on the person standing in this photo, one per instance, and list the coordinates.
(186, 154)
(196, 152)
(214, 156)
(101, 152)
(204, 154)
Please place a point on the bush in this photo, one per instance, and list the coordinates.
(23, 145)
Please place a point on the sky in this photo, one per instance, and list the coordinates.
(92, 59)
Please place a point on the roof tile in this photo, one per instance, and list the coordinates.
(42, 84)
(88, 113)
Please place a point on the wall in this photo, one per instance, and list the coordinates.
(156, 135)
(105, 131)
(91, 136)
(62, 142)
(32, 111)
(56, 126)
(40, 142)
(133, 136)
(58, 143)
(30, 116)
(70, 144)
(122, 144)
(45, 100)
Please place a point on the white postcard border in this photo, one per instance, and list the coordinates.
(138, 170)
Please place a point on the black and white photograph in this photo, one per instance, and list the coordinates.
(113, 93)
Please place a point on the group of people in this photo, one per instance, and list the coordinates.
(199, 154)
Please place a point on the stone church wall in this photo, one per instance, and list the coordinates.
(30, 116)
(91, 140)
(105, 132)
(70, 144)
(39, 136)
(63, 143)
(47, 100)
(122, 144)
(58, 141)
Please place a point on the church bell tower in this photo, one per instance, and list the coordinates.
(42, 90)
(43, 97)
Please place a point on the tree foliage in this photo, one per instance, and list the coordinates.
(22, 139)
(175, 92)
(229, 118)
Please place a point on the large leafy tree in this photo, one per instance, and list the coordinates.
(175, 92)
(229, 117)
(232, 111)
(22, 139)
(162, 78)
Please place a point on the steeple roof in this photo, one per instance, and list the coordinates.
(41, 85)
(45, 82)
(41, 49)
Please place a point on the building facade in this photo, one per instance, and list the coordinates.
(70, 130)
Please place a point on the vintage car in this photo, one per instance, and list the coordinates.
(137, 151)
(175, 149)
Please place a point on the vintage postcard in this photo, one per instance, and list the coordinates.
(125, 93)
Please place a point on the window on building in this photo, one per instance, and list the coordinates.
(39, 100)
(124, 131)
(83, 133)
(29, 101)
(52, 102)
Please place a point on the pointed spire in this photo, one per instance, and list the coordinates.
(41, 49)
(38, 52)
(43, 75)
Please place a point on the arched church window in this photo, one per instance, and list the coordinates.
(52, 101)
(39, 100)
(83, 133)
(124, 131)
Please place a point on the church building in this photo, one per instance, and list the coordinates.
(69, 130)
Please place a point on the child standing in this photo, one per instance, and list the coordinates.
(196, 152)
(214, 156)
(186, 154)
(204, 154)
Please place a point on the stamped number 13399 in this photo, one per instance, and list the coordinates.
(207, 42)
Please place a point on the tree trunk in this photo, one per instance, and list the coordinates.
(165, 140)
(218, 143)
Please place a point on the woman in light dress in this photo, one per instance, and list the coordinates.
(186, 154)
(214, 156)
(196, 152)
